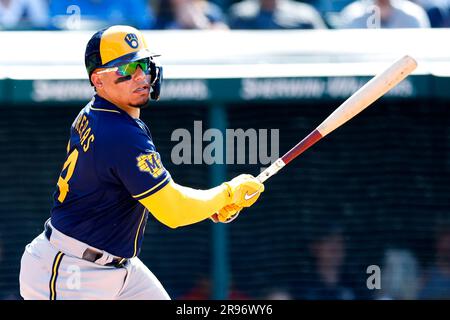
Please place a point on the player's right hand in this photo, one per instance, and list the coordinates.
(244, 190)
(226, 214)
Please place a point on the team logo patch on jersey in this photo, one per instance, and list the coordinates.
(132, 40)
(150, 163)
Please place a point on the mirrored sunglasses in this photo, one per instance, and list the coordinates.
(129, 69)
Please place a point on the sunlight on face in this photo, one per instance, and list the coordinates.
(132, 91)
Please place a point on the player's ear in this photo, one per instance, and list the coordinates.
(97, 80)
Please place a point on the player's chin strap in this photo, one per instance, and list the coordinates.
(156, 78)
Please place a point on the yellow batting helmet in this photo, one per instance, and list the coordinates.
(117, 45)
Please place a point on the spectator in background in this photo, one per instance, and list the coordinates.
(399, 276)
(190, 14)
(437, 278)
(438, 12)
(274, 14)
(330, 10)
(328, 252)
(384, 14)
(23, 14)
(96, 14)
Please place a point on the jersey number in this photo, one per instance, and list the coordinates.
(63, 183)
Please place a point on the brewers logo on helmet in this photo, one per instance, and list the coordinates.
(118, 45)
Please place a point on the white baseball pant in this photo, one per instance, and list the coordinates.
(55, 270)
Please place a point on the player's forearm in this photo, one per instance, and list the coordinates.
(176, 206)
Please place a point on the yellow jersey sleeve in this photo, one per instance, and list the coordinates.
(175, 205)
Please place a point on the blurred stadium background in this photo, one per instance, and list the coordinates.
(373, 193)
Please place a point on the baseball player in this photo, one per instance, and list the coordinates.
(111, 178)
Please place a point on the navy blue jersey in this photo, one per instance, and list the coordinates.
(111, 163)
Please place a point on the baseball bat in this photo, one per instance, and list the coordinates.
(360, 100)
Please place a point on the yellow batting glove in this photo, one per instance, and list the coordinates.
(244, 190)
(226, 214)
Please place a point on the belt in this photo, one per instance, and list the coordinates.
(90, 254)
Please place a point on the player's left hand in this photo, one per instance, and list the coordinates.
(227, 213)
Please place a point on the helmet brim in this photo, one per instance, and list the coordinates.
(130, 57)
